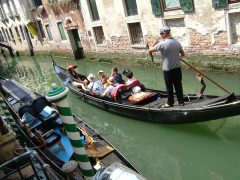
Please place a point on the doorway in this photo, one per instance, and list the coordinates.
(76, 43)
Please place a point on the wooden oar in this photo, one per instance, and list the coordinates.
(210, 79)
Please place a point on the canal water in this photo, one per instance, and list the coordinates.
(205, 151)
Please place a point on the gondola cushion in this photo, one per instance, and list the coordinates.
(52, 139)
(141, 96)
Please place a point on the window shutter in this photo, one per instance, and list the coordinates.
(187, 5)
(219, 3)
(156, 7)
(94, 10)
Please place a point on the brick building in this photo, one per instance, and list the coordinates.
(76, 26)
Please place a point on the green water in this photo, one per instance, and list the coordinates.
(206, 151)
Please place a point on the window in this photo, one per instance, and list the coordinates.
(61, 31)
(37, 3)
(21, 29)
(52, 2)
(135, 33)
(171, 4)
(49, 32)
(4, 34)
(131, 7)
(99, 35)
(9, 38)
(11, 33)
(158, 6)
(234, 23)
(1, 37)
(18, 35)
(2, 14)
(40, 27)
(12, 7)
(94, 10)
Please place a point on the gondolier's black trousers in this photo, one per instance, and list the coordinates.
(172, 78)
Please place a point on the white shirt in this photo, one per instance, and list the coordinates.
(96, 87)
(110, 89)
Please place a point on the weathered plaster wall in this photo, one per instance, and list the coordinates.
(115, 24)
(204, 31)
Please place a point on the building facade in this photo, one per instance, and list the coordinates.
(77, 26)
(43, 25)
(203, 27)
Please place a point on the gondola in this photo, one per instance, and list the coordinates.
(196, 109)
(23, 103)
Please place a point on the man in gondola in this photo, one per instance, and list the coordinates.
(79, 81)
(170, 50)
(117, 76)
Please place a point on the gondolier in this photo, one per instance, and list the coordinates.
(170, 49)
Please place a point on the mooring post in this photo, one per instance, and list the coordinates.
(58, 95)
(72, 171)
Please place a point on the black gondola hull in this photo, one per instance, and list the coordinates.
(210, 108)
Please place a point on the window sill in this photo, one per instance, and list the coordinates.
(234, 5)
(235, 45)
(179, 16)
(96, 23)
(101, 45)
(132, 19)
(138, 46)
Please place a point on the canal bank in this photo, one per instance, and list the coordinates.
(228, 64)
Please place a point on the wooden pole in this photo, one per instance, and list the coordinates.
(210, 79)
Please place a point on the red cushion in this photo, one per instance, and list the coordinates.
(116, 90)
(124, 86)
(134, 83)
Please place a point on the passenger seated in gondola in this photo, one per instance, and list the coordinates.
(129, 75)
(132, 81)
(117, 76)
(111, 88)
(79, 81)
(104, 78)
(95, 86)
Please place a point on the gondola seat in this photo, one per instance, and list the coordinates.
(50, 139)
(29, 117)
(43, 108)
(32, 121)
(26, 108)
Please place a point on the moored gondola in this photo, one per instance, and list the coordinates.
(196, 109)
(42, 128)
